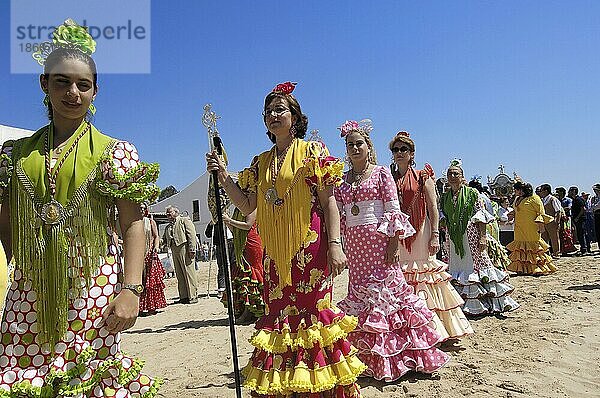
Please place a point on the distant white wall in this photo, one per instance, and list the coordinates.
(13, 133)
(183, 200)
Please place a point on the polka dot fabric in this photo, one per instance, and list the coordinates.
(125, 158)
(394, 332)
(87, 361)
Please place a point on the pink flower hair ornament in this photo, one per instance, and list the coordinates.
(363, 126)
(285, 88)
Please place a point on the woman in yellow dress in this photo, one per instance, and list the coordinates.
(301, 349)
(529, 252)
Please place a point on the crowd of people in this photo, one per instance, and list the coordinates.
(421, 257)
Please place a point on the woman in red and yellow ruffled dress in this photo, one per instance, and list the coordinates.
(300, 343)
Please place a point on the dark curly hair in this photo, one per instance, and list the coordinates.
(525, 187)
(477, 185)
(301, 124)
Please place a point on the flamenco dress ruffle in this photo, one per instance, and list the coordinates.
(394, 333)
(315, 358)
(483, 287)
(485, 291)
(530, 258)
(430, 281)
(247, 278)
(497, 253)
(153, 297)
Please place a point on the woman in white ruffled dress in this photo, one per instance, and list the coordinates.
(484, 288)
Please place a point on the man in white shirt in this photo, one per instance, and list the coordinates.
(595, 203)
(552, 207)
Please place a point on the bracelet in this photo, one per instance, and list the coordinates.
(435, 232)
(336, 241)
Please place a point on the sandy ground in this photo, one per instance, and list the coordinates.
(550, 347)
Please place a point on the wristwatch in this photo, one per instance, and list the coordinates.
(136, 289)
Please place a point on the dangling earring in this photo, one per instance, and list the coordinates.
(348, 161)
(92, 108)
(46, 100)
(293, 131)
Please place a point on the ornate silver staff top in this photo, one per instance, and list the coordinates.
(209, 120)
(314, 136)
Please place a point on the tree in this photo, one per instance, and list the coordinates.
(167, 192)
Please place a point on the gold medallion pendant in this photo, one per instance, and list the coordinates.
(52, 212)
(355, 210)
(272, 197)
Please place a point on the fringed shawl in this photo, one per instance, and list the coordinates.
(59, 260)
(283, 228)
(411, 191)
(459, 214)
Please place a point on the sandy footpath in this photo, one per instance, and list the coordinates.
(550, 347)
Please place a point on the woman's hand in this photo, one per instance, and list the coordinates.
(226, 218)
(215, 163)
(122, 312)
(336, 259)
(392, 252)
(434, 245)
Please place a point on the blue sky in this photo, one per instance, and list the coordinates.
(511, 82)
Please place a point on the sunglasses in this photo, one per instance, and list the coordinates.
(402, 149)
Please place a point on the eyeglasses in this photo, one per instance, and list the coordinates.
(277, 111)
(402, 149)
(356, 144)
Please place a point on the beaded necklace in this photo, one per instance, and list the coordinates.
(53, 211)
(271, 196)
(357, 180)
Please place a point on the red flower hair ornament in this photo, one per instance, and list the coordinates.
(285, 88)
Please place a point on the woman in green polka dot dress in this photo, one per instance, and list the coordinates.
(71, 293)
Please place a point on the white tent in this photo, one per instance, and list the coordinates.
(13, 133)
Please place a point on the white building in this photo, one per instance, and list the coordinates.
(192, 202)
(13, 133)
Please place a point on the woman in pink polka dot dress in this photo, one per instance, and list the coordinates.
(59, 189)
(394, 332)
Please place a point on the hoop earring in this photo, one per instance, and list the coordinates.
(92, 108)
